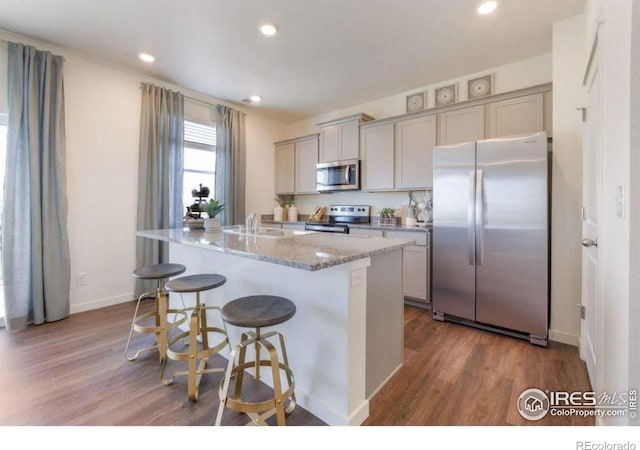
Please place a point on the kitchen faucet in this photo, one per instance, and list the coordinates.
(252, 224)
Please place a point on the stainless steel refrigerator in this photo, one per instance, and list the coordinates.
(490, 235)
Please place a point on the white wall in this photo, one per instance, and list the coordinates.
(509, 77)
(102, 129)
(566, 225)
(517, 75)
(614, 239)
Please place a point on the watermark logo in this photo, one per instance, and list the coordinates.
(533, 404)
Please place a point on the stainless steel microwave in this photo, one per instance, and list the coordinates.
(338, 176)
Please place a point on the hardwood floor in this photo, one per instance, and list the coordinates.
(73, 372)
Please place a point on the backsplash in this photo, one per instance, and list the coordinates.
(306, 204)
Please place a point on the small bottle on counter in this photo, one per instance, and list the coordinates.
(278, 213)
(293, 214)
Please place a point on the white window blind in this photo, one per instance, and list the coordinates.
(199, 134)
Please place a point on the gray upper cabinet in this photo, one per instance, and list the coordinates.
(296, 160)
(461, 125)
(340, 139)
(350, 140)
(377, 152)
(414, 142)
(516, 116)
(285, 168)
(306, 158)
(330, 143)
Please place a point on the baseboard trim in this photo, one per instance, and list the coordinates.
(101, 303)
(393, 372)
(564, 338)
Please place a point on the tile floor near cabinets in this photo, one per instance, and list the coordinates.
(73, 372)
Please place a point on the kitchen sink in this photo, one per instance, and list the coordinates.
(273, 233)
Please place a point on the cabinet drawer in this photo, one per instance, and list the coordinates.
(418, 237)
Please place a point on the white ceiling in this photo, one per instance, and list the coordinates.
(329, 54)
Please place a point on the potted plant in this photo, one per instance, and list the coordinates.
(212, 208)
(286, 202)
(387, 216)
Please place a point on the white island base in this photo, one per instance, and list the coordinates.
(345, 340)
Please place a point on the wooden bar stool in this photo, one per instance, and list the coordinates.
(159, 272)
(258, 311)
(198, 330)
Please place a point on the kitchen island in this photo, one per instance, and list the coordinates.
(346, 339)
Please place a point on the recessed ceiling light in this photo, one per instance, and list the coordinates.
(255, 99)
(146, 57)
(487, 7)
(268, 29)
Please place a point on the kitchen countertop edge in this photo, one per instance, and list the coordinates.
(170, 236)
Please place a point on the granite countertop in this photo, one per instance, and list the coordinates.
(308, 251)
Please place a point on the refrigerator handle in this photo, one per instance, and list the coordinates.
(479, 217)
(470, 217)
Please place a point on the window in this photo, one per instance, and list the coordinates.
(199, 160)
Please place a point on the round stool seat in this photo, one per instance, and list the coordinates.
(196, 283)
(258, 311)
(158, 271)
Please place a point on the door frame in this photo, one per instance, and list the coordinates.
(595, 63)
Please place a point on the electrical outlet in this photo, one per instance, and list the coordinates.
(81, 279)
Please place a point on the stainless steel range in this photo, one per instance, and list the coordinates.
(340, 216)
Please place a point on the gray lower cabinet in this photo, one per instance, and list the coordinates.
(416, 266)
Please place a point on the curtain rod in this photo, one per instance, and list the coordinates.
(6, 44)
(183, 94)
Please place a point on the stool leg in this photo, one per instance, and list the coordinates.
(135, 315)
(256, 375)
(162, 300)
(203, 323)
(192, 390)
(240, 375)
(277, 384)
(292, 404)
(224, 386)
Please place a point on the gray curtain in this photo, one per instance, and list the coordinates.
(159, 172)
(230, 164)
(35, 244)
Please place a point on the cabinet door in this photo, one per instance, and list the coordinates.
(461, 125)
(350, 140)
(516, 116)
(377, 157)
(329, 143)
(415, 276)
(306, 160)
(285, 166)
(414, 142)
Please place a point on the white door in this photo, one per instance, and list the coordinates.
(590, 332)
